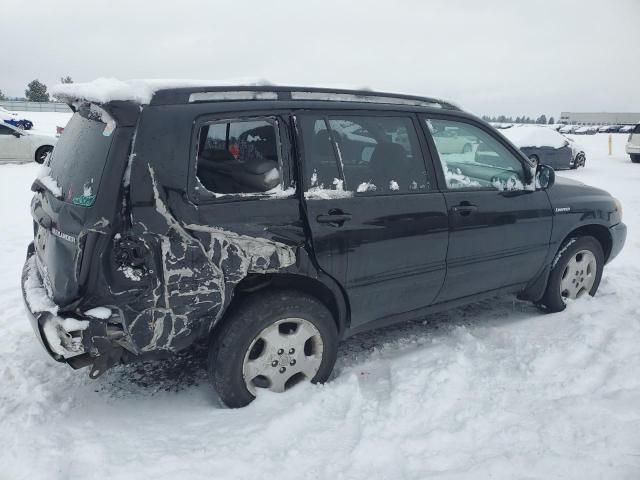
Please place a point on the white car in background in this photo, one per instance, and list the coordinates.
(633, 144)
(449, 141)
(21, 145)
(568, 128)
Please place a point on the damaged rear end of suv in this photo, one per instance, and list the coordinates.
(78, 207)
(125, 265)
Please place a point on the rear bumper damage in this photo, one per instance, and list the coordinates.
(78, 340)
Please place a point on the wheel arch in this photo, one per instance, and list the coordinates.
(599, 232)
(536, 288)
(256, 283)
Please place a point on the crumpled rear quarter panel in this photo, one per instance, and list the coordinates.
(196, 254)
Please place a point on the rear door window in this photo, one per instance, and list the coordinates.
(78, 160)
(362, 155)
(240, 156)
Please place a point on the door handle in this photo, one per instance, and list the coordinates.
(335, 217)
(464, 209)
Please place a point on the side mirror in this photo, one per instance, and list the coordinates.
(16, 134)
(545, 176)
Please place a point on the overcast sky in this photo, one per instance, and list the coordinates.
(490, 56)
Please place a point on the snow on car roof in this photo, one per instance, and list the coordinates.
(104, 90)
(535, 136)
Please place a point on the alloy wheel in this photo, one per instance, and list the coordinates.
(283, 354)
(579, 275)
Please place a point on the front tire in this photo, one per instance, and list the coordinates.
(42, 153)
(535, 160)
(576, 271)
(271, 340)
(635, 158)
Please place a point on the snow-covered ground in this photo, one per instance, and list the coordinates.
(493, 390)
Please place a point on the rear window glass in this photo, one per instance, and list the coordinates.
(78, 159)
(240, 156)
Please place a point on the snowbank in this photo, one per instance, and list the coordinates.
(534, 136)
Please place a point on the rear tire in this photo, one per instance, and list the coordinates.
(42, 153)
(583, 279)
(635, 158)
(236, 344)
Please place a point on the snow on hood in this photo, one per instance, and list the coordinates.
(104, 90)
(535, 136)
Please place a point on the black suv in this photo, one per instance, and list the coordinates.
(276, 221)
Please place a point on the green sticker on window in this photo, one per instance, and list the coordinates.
(84, 200)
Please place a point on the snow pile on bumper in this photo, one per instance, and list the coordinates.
(63, 336)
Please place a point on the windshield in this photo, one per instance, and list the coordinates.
(78, 160)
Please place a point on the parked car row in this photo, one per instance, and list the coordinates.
(593, 129)
(575, 129)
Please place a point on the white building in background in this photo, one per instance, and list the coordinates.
(600, 118)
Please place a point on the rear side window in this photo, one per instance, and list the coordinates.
(637, 129)
(78, 160)
(361, 155)
(239, 156)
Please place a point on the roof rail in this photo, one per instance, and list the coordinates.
(231, 93)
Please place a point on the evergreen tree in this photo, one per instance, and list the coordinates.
(551, 120)
(36, 92)
(66, 79)
(2, 96)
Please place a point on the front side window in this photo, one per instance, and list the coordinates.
(239, 156)
(362, 155)
(5, 130)
(472, 159)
